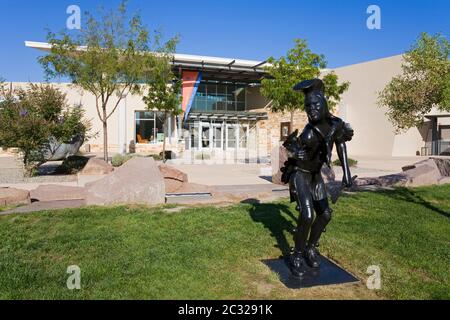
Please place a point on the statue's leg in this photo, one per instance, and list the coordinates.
(306, 213)
(323, 212)
(300, 182)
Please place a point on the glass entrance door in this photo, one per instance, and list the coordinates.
(212, 136)
(217, 136)
(205, 136)
(237, 136)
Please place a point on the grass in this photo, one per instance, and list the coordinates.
(216, 252)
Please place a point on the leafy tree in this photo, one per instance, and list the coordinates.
(299, 64)
(423, 84)
(33, 119)
(106, 58)
(163, 92)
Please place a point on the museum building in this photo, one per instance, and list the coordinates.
(225, 117)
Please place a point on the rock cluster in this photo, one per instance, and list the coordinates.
(431, 171)
(11, 196)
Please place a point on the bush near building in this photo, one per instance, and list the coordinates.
(31, 119)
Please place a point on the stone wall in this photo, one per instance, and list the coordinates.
(270, 129)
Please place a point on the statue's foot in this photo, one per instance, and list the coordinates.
(297, 264)
(312, 257)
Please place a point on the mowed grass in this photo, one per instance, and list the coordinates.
(216, 252)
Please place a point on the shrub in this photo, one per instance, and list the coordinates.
(351, 162)
(72, 165)
(31, 119)
(119, 159)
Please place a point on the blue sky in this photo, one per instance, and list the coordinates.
(247, 29)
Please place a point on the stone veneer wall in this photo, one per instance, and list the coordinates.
(269, 130)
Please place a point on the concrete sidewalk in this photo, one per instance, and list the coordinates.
(227, 174)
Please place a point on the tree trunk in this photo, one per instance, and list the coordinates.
(105, 136)
(164, 140)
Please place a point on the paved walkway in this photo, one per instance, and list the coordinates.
(236, 180)
(227, 174)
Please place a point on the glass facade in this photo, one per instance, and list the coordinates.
(215, 96)
(149, 126)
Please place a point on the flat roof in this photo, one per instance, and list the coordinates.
(213, 67)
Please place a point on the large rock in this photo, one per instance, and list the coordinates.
(138, 181)
(423, 173)
(383, 181)
(96, 166)
(444, 180)
(196, 188)
(443, 166)
(51, 192)
(174, 179)
(278, 157)
(11, 196)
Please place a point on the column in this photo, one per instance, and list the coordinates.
(434, 137)
(122, 127)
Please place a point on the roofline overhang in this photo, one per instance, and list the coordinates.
(191, 61)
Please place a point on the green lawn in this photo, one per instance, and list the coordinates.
(216, 252)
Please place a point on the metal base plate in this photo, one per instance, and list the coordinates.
(329, 273)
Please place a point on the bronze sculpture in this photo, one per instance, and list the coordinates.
(308, 152)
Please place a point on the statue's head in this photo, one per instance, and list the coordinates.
(316, 105)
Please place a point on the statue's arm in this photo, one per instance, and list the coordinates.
(341, 149)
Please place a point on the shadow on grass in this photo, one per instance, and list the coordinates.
(273, 217)
(409, 195)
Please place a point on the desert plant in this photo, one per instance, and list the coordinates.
(120, 159)
(33, 119)
(351, 162)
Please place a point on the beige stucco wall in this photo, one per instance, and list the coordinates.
(130, 104)
(374, 134)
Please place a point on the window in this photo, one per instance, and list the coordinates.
(149, 126)
(215, 96)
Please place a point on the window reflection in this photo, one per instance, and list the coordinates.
(149, 126)
(220, 97)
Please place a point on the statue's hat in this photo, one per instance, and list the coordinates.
(309, 86)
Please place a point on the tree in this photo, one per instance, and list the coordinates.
(163, 91)
(107, 58)
(299, 64)
(33, 119)
(423, 84)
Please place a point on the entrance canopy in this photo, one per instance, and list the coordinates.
(221, 69)
(241, 116)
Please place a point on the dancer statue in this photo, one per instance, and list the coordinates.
(308, 152)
